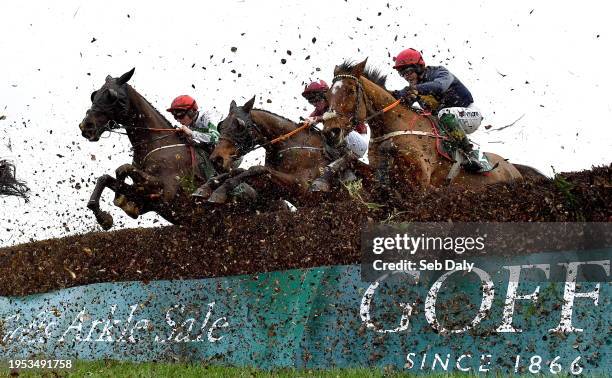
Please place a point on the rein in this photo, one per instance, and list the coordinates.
(281, 138)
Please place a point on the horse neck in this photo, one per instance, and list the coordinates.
(141, 119)
(398, 118)
(271, 125)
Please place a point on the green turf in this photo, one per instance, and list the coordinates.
(183, 370)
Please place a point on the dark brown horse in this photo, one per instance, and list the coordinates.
(403, 141)
(163, 170)
(291, 164)
(9, 184)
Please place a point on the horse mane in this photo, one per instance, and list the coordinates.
(371, 73)
(274, 114)
(152, 107)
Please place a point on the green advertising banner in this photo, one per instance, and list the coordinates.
(483, 320)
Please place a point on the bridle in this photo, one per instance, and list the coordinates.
(245, 141)
(359, 95)
(127, 124)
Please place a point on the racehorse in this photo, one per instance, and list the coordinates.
(9, 184)
(404, 141)
(164, 170)
(292, 160)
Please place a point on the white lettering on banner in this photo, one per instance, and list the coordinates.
(366, 305)
(488, 293)
(77, 325)
(459, 367)
(570, 293)
(184, 335)
(110, 329)
(535, 364)
(512, 296)
(485, 306)
(38, 330)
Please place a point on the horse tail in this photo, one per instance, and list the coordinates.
(9, 185)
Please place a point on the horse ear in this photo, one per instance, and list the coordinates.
(232, 105)
(126, 77)
(336, 70)
(359, 68)
(249, 105)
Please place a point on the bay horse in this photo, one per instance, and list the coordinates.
(164, 170)
(291, 163)
(403, 141)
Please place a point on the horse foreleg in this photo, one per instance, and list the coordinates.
(143, 181)
(282, 180)
(106, 181)
(219, 195)
(206, 189)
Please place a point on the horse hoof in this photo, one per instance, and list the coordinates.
(320, 186)
(217, 197)
(119, 200)
(245, 192)
(131, 209)
(105, 220)
(203, 191)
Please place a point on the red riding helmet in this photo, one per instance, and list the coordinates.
(183, 102)
(314, 87)
(408, 57)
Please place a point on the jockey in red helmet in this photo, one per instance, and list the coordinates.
(439, 91)
(195, 124)
(314, 93)
(356, 141)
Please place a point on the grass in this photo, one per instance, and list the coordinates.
(566, 187)
(185, 370)
(188, 183)
(354, 189)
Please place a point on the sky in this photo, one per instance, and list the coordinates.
(540, 65)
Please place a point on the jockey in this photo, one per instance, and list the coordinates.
(440, 92)
(194, 124)
(356, 141)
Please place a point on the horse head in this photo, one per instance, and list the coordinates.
(109, 107)
(237, 136)
(347, 105)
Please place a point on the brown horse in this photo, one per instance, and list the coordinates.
(403, 141)
(163, 170)
(291, 163)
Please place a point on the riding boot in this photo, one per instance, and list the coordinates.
(455, 131)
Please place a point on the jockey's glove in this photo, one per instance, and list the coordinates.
(408, 94)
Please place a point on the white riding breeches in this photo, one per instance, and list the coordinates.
(469, 118)
(358, 143)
